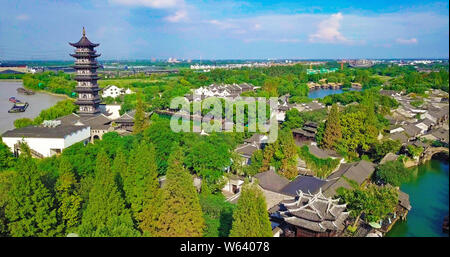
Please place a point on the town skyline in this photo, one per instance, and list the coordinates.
(146, 29)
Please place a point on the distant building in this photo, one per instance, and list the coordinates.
(360, 63)
(252, 144)
(306, 134)
(114, 91)
(222, 90)
(13, 68)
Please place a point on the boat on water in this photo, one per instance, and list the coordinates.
(25, 91)
(19, 107)
(12, 99)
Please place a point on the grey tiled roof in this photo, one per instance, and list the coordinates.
(271, 181)
(403, 199)
(314, 212)
(304, 183)
(95, 122)
(60, 131)
(358, 172)
(247, 150)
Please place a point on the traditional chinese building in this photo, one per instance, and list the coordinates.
(86, 76)
(311, 215)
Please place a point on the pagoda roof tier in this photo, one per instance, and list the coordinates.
(84, 42)
(86, 89)
(90, 54)
(86, 77)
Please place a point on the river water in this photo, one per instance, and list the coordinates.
(37, 103)
(429, 197)
(322, 92)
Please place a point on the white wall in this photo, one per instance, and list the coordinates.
(78, 136)
(112, 91)
(114, 109)
(43, 145)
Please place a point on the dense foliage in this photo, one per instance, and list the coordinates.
(373, 201)
(321, 167)
(250, 217)
(59, 83)
(393, 172)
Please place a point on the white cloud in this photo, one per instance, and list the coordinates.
(406, 41)
(22, 17)
(328, 31)
(178, 16)
(157, 4)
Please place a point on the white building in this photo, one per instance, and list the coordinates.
(46, 141)
(115, 91)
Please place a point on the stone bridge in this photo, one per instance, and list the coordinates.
(430, 151)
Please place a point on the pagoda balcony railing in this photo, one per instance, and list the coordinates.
(86, 77)
(86, 62)
(89, 98)
(85, 66)
(87, 102)
(87, 89)
(87, 54)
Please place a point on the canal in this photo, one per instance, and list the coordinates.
(37, 103)
(429, 197)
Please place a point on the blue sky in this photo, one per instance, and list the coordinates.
(229, 29)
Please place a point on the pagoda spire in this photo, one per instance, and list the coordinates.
(84, 32)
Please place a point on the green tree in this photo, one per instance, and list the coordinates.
(141, 181)
(293, 119)
(31, 208)
(250, 218)
(119, 169)
(287, 154)
(7, 159)
(374, 201)
(105, 214)
(23, 122)
(394, 173)
(69, 201)
(333, 131)
(6, 178)
(181, 213)
(140, 121)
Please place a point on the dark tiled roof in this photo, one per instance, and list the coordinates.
(246, 150)
(318, 152)
(311, 124)
(60, 131)
(360, 172)
(256, 138)
(411, 130)
(95, 122)
(314, 212)
(84, 42)
(304, 183)
(403, 199)
(357, 172)
(271, 181)
(399, 136)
